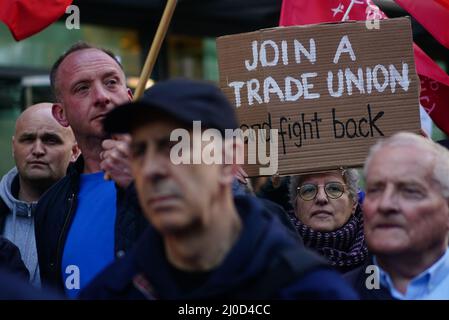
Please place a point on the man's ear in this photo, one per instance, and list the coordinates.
(12, 145)
(76, 151)
(233, 157)
(58, 113)
(130, 94)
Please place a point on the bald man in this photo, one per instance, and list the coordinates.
(42, 150)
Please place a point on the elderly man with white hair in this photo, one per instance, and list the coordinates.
(406, 215)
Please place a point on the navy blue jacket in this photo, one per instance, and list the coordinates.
(266, 262)
(11, 259)
(54, 215)
(14, 287)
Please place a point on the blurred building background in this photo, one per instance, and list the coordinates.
(127, 28)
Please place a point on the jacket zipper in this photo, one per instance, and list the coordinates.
(62, 236)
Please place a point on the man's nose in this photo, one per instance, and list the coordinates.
(388, 202)
(38, 148)
(101, 95)
(154, 166)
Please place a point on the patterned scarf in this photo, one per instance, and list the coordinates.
(345, 248)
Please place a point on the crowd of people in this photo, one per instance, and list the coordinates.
(96, 209)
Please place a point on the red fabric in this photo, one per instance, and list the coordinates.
(298, 12)
(434, 81)
(27, 17)
(432, 15)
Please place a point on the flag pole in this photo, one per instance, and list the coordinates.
(155, 47)
(152, 55)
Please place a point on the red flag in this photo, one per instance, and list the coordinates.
(297, 12)
(434, 81)
(433, 15)
(27, 17)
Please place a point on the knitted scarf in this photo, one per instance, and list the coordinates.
(345, 248)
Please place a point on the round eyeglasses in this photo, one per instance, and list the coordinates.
(333, 190)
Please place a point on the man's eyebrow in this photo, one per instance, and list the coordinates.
(164, 139)
(76, 83)
(107, 74)
(111, 74)
(159, 141)
(411, 183)
(401, 182)
(27, 135)
(51, 135)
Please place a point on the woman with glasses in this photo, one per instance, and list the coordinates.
(328, 217)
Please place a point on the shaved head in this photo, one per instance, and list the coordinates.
(38, 113)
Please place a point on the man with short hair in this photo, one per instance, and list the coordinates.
(203, 243)
(84, 222)
(42, 150)
(406, 216)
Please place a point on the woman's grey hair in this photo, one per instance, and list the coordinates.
(350, 177)
(441, 155)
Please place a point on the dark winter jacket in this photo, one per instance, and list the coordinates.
(11, 260)
(13, 287)
(266, 262)
(17, 222)
(54, 215)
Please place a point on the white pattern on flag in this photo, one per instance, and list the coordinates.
(338, 9)
(346, 16)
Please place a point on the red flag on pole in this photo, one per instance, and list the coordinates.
(27, 17)
(434, 95)
(433, 15)
(298, 12)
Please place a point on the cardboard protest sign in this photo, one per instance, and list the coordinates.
(331, 90)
